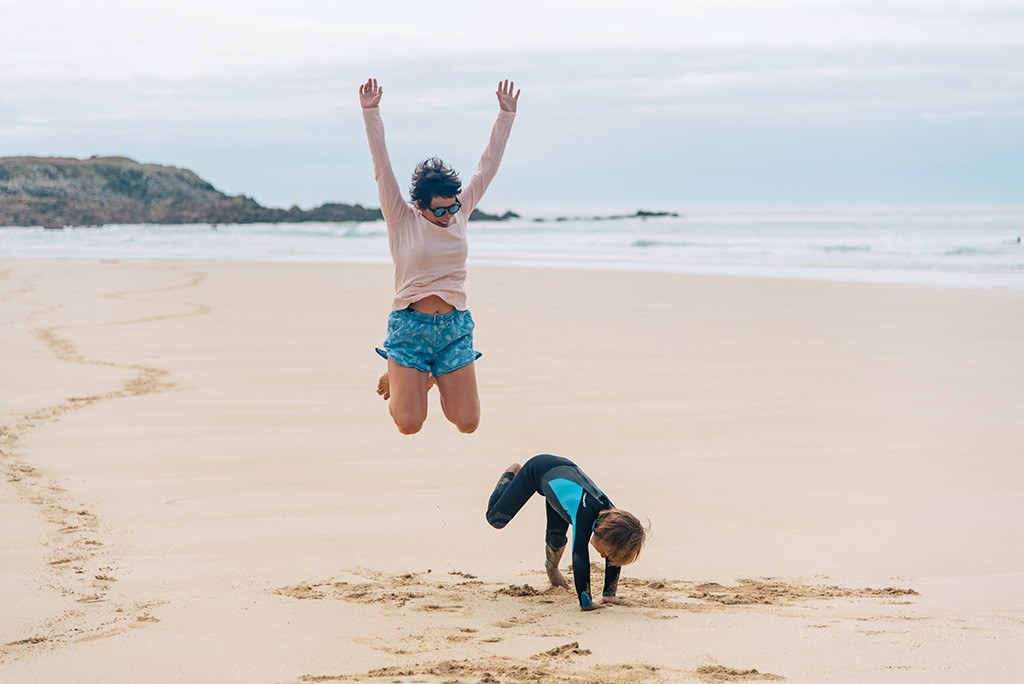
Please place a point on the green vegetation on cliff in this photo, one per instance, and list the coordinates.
(55, 192)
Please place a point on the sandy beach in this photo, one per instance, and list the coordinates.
(199, 483)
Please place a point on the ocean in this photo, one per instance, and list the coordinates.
(946, 247)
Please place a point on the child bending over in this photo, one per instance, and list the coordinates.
(572, 499)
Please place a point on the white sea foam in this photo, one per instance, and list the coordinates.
(958, 247)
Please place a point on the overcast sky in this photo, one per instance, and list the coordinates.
(646, 104)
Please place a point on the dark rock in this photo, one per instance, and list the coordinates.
(478, 215)
(640, 214)
(55, 192)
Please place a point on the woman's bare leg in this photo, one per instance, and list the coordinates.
(408, 397)
(460, 400)
(384, 385)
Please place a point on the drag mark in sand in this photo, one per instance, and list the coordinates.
(764, 591)
(520, 611)
(720, 673)
(558, 665)
(82, 568)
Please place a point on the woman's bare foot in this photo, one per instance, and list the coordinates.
(384, 385)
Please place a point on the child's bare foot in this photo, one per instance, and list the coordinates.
(556, 578)
(384, 385)
(552, 557)
(514, 468)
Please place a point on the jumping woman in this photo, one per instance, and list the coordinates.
(430, 331)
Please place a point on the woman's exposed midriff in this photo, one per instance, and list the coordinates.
(431, 304)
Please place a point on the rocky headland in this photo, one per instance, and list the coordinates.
(57, 192)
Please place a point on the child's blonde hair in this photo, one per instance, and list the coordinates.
(623, 534)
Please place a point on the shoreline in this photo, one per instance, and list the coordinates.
(801, 450)
(1006, 284)
(971, 248)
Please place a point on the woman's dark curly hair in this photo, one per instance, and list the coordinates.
(433, 178)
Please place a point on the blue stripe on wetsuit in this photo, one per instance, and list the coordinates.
(572, 498)
(569, 495)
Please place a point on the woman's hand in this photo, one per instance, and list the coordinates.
(506, 100)
(369, 94)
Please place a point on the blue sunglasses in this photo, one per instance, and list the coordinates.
(450, 209)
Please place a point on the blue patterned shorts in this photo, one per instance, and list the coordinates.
(433, 343)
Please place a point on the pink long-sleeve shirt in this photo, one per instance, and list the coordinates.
(430, 259)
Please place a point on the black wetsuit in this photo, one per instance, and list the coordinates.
(572, 499)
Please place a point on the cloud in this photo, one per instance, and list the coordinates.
(100, 40)
(251, 88)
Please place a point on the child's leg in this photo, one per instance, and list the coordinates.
(554, 546)
(513, 490)
(557, 526)
(510, 494)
